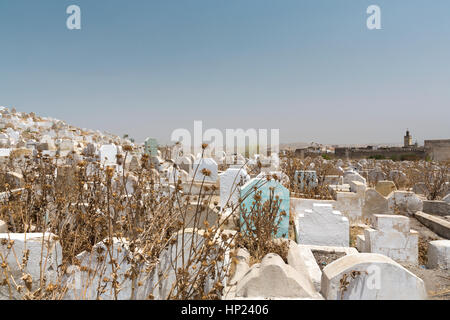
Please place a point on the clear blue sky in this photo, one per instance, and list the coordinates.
(308, 67)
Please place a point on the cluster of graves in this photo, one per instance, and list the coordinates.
(28, 134)
(372, 268)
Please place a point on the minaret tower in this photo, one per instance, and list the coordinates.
(407, 140)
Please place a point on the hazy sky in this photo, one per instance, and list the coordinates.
(310, 68)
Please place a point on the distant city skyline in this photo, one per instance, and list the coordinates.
(311, 69)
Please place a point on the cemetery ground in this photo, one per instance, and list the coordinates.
(437, 281)
(86, 215)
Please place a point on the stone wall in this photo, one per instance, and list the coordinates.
(394, 153)
(440, 208)
(438, 150)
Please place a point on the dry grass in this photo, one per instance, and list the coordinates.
(260, 224)
(355, 231)
(290, 164)
(88, 203)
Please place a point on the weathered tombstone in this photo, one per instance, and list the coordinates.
(151, 147)
(385, 187)
(230, 182)
(83, 284)
(272, 278)
(333, 179)
(186, 164)
(439, 254)
(298, 205)
(44, 257)
(436, 207)
(306, 179)
(370, 276)
(240, 265)
(350, 204)
(358, 187)
(405, 202)
(352, 175)
(374, 203)
(205, 169)
(322, 226)
(108, 154)
(398, 176)
(392, 237)
(269, 190)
